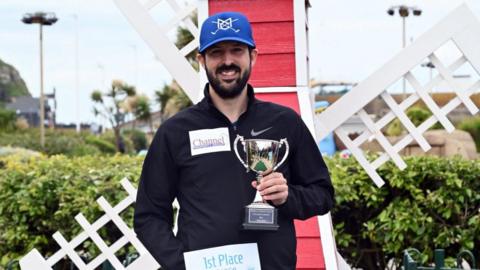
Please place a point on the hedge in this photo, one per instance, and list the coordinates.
(67, 142)
(472, 126)
(433, 203)
(42, 195)
(7, 119)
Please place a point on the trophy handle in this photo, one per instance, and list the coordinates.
(282, 142)
(239, 138)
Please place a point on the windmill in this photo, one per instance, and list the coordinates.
(285, 31)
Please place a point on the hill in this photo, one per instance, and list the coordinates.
(11, 84)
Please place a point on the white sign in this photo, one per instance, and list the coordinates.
(204, 141)
(231, 257)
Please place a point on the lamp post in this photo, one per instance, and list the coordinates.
(41, 18)
(430, 66)
(404, 12)
(77, 91)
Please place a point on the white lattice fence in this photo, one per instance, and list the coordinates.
(463, 29)
(35, 261)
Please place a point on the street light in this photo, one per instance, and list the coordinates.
(41, 18)
(430, 66)
(404, 12)
(77, 91)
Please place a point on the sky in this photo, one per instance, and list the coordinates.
(348, 41)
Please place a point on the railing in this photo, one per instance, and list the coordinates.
(439, 258)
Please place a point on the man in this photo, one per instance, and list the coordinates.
(192, 159)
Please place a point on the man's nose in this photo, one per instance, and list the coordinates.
(228, 58)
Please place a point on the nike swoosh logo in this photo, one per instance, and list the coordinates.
(254, 134)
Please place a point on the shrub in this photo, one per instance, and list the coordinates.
(19, 152)
(138, 139)
(85, 150)
(42, 195)
(127, 142)
(433, 203)
(472, 126)
(416, 114)
(21, 123)
(62, 143)
(66, 142)
(7, 119)
(103, 145)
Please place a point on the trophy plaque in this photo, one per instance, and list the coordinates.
(261, 157)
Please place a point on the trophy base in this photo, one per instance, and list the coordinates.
(260, 216)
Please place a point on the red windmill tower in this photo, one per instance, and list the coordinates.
(280, 29)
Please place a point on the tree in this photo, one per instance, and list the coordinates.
(109, 105)
(171, 100)
(140, 108)
(163, 96)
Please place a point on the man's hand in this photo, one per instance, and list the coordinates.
(273, 187)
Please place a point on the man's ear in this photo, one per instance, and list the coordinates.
(253, 56)
(201, 60)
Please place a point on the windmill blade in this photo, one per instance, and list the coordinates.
(156, 36)
(461, 27)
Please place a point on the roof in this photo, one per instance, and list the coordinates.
(24, 104)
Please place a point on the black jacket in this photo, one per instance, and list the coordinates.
(213, 188)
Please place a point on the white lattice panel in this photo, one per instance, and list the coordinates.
(139, 14)
(463, 29)
(35, 261)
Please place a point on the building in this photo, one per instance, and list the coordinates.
(26, 107)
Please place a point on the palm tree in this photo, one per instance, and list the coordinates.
(142, 110)
(109, 105)
(171, 99)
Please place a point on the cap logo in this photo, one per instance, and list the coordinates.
(225, 25)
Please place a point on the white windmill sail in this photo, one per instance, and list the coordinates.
(156, 36)
(461, 27)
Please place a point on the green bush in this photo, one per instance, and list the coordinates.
(102, 145)
(138, 139)
(416, 114)
(128, 144)
(19, 152)
(433, 203)
(42, 195)
(472, 126)
(7, 119)
(66, 142)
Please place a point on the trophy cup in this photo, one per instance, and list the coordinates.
(261, 157)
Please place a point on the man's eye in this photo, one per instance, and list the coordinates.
(215, 52)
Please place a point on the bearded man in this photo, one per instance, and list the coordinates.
(192, 159)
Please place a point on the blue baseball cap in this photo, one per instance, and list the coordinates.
(225, 26)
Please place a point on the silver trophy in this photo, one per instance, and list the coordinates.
(261, 157)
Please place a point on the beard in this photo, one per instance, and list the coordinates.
(233, 89)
